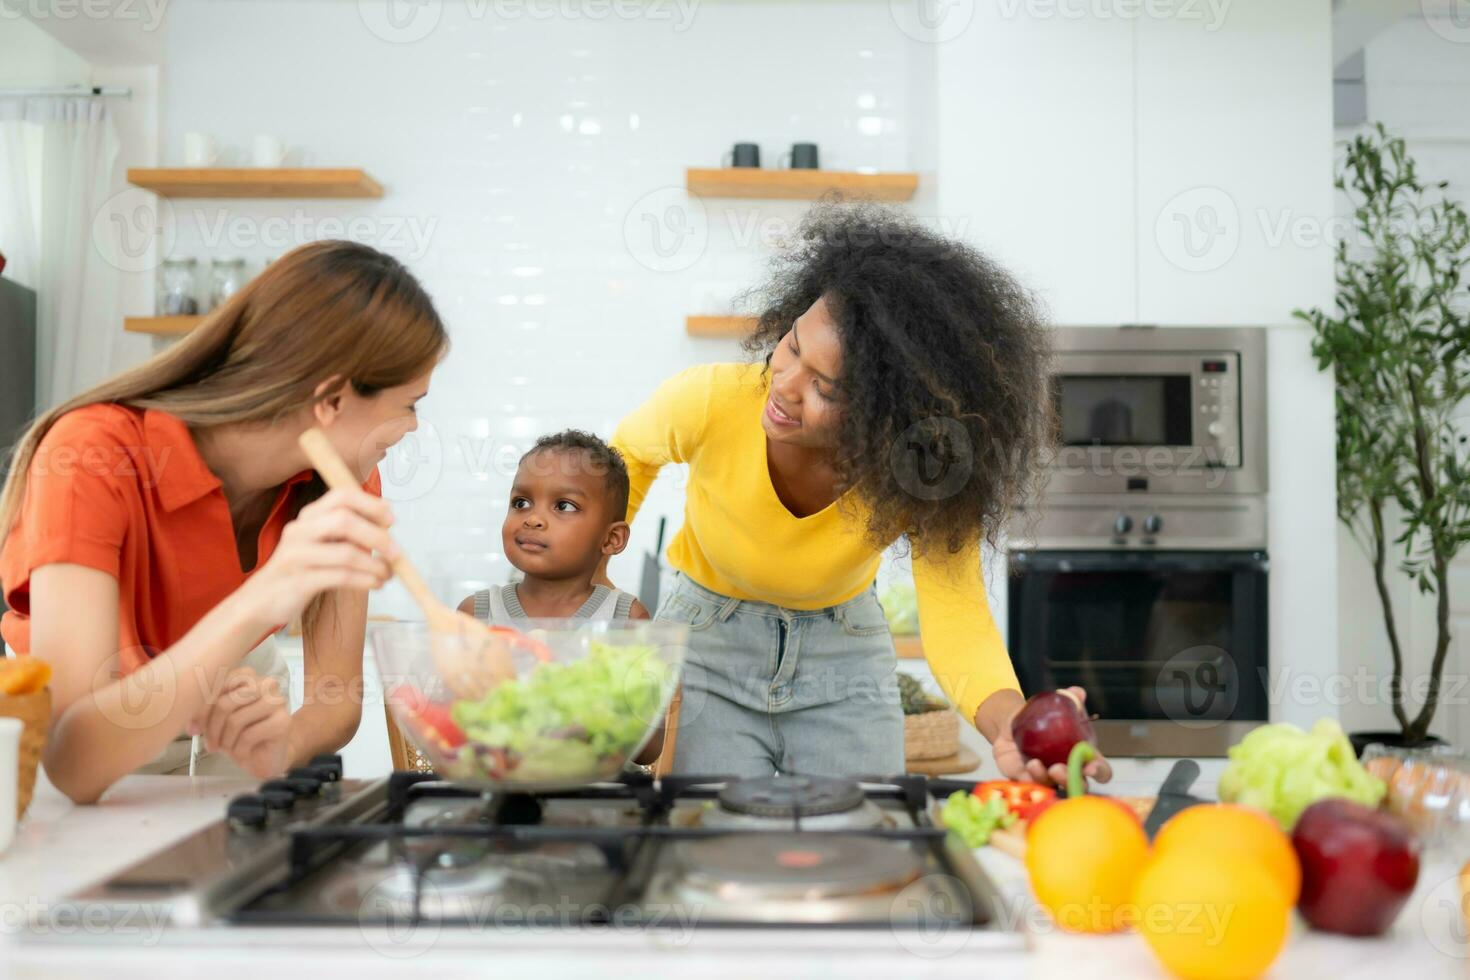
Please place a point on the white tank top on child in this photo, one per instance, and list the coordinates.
(503, 604)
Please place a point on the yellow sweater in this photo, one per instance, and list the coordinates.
(738, 539)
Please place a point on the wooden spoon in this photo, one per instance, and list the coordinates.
(472, 657)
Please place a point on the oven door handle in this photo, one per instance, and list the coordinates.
(1139, 561)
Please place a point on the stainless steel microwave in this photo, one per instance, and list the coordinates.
(1159, 409)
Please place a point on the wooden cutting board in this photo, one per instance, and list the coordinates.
(965, 760)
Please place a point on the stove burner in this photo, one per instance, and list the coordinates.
(453, 890)
(516, 808)
(392, 889)
(791, 797)
(808, 867)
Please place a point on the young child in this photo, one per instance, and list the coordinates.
(566, 512)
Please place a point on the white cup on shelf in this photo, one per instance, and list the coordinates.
(200, 150)
(267, 151)
(10, 729)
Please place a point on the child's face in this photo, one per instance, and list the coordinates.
(558, 522)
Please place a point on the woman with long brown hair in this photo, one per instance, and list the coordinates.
(158, 528)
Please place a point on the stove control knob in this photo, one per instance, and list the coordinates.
(320, 773)
(331, 765)
(299, 786)
(1215, 429)
(277, 799)
(247, 812)
(1153, 524)
(1122, 524)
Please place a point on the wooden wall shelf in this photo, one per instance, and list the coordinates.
(798, 185)
(272, 182)
(719, 326)
(168, 326)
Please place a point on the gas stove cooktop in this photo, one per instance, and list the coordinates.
(788, 851)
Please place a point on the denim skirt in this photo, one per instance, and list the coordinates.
(768, 689)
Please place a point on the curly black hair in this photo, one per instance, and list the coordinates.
(945, 409)
(600, 458)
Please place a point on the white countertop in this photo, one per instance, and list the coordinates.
(61, 848)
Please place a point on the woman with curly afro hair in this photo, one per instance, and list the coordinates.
(900, 394)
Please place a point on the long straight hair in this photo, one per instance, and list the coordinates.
(327, 309)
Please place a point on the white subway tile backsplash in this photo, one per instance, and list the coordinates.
(516, 152)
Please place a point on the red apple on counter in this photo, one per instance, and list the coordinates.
(1359, 866)
(1048, 725)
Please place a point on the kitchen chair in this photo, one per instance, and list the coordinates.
(406, 755)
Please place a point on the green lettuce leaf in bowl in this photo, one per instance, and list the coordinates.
(562, 720)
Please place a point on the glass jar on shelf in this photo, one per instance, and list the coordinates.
(226, 276)
(176, 287)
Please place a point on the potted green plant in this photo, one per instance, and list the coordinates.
(1398, 341)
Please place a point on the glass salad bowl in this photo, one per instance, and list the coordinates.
(550, 704)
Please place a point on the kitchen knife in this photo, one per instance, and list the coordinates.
(1173, 795)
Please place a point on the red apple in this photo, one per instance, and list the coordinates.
(1359, 866)
(1048, 725)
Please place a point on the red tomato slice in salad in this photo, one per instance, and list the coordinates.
(538, 649)
(429, 718)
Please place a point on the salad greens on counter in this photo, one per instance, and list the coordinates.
(563, 720)
(973, 820)
(900, 604)
(1283, 770)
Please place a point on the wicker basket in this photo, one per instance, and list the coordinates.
(34, 712)
(407, 757)
(931, 735)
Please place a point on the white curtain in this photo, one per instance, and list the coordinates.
(51, 248)
(20, 156)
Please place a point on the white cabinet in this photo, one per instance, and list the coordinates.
(1170, 167)
(1035, 160)
(1234, 158)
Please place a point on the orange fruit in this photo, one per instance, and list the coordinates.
(1208, 915)
(1240, 831)
(1082, 856)
(23, 675)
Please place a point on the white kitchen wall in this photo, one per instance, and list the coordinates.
(1418, 85)
(30, 57)
(534, 170)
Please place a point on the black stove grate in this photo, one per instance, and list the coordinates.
(630, 852)
(911, 791)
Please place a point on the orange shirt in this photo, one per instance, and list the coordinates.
(125, 491)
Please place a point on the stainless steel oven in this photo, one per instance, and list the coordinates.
(1173, 410)
(1141, 574)
(1170, 646)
